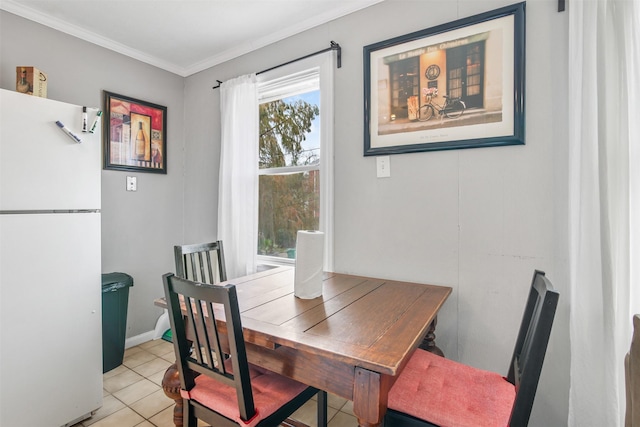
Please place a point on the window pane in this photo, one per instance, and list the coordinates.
(288, 203)
(290, 131)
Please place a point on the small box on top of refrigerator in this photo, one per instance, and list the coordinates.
(31, 81)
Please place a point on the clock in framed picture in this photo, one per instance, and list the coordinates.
(432, 72)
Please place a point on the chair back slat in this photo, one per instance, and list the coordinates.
(192, 320)
(531, 346)
(212, 347)
(204, 304)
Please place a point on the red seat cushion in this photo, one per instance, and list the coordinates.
(270, 392)
(450, 394)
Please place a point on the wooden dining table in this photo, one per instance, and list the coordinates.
(353, 341)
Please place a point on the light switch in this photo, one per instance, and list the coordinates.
(383, 167)
(132, 183)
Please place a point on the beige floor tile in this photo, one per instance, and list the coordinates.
(334, 401)
(157, 377)
(162, 348)
(348, 408)
(115, 371)
(138, 359)
(152, 367)
(171, 357)
(132, 350)
(343, 420)
(152, 404)
(123, 418)
(145, 424)
(164, 418)
(136, 391)
(150, 344)
(308, 414)
(121, 381)
(110, 405)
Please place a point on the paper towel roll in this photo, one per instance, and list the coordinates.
(309, 262)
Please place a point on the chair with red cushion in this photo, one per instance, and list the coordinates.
(434, 391)
(232, 393)
(201, 262)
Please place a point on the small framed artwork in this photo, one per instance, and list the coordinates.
(135, 134)
(456, 85)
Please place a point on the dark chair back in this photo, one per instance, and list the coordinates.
(207, 354)
(531, 346)
(201, 262)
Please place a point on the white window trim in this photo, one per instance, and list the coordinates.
(324, 64)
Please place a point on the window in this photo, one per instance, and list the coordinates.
(295, 164)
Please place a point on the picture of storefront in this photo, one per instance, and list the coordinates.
(457, 85)
(468, 68)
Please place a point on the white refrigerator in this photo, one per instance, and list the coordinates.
(50, 267)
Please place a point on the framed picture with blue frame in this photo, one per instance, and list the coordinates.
(456, 85)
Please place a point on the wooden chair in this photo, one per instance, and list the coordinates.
(434, 391)
(201, 262)
(231, 392)
(632, 376)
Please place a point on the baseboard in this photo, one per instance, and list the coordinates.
(139, 339)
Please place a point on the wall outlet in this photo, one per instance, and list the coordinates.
(132, 183)
(383, 167)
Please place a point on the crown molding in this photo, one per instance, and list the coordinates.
(58, 24)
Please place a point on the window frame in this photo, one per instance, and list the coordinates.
(322, 66)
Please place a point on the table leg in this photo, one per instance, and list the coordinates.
(370, 393)
(429, 341)
(171, 388)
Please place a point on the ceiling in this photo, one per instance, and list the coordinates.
(183, 36)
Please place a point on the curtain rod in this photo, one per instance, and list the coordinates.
(334, 46)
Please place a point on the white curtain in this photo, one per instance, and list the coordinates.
(238, 192)
(604, 203)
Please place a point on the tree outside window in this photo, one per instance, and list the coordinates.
(289, 172)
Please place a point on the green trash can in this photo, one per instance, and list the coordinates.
(115, 298)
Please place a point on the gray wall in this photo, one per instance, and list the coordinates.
(139, 228)
(478, 220)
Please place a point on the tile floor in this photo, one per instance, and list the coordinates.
(133, 394)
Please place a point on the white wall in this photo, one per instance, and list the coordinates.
(139, 228)
(479, 220)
